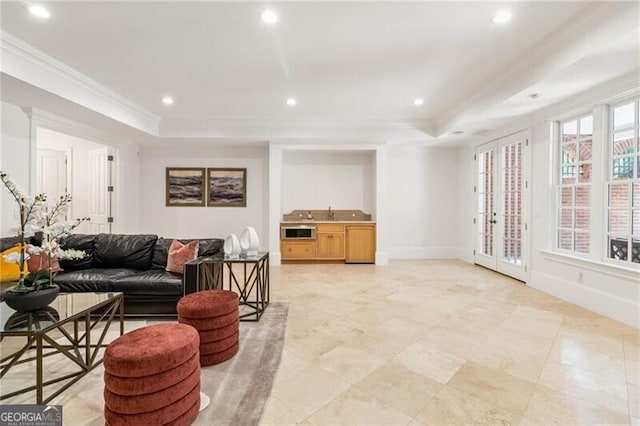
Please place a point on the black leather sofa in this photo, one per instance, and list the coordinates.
(134, 265)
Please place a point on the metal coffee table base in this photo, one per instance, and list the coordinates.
(78, 347)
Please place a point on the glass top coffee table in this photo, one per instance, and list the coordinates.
(74, 325)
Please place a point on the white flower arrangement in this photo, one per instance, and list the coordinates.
(36, 215)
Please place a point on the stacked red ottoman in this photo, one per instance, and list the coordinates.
(216, 316)
(152, 376)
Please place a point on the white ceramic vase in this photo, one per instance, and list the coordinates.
(232, 247)
(249, 242)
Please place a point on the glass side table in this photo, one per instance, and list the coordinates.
(248, 276)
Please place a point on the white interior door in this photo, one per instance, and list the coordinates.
(51, 172)
(99, 194)
(500, 220)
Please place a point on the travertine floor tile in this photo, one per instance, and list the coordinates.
(431, 363)
(309, 389)
(454, 407)
(349, 363)
(276, 413)
(601, 390)
(547, 406)
(510, 359)
(493, 386)
(399, 387)
(355, 407)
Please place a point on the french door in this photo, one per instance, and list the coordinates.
(500, 220)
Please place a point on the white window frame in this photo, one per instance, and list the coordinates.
(559, 186)
(602, 163)
(609, 178)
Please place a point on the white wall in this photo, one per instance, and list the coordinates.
(422, 204)
(204, 222)
(466, 210)
(14, 159)
(315, 180)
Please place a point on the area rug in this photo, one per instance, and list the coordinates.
(238, 389)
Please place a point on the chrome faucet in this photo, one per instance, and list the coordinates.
(330, 214)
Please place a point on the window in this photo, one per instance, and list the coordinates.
(623, 188)
(574, 190)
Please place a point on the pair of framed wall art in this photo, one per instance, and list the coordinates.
(199, 186)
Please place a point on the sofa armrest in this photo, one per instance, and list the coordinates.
(196, 278)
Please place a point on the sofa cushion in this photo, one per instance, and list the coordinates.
(151, 282)
(206, 247)
(82, 242)
(10, 271)
(124, 251)
(8, 242)
(94, 279)
(40, 261)
(179, 254)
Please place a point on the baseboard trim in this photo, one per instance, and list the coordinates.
(605, 304)
(423, 252)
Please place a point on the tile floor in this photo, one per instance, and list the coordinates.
(444, 342)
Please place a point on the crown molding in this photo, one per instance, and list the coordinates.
(26, 63)
(73, 128)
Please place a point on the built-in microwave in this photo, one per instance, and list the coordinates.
(298, 232)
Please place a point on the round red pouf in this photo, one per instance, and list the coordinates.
(152, 376)
(216, 316)
(208, 303)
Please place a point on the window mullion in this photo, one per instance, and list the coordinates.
(599, 188)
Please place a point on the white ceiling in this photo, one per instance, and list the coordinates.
(354, 67)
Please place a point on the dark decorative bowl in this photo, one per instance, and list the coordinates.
(32, 300)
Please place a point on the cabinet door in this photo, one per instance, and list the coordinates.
(330, 246)
(298, 249)
(361, 243)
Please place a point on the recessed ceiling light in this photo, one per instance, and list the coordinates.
(502, 17)
(418, 102)
(291, 102)
(167, 100)
(269, 17)
(457, 132)
(39, 11)
(534, 95)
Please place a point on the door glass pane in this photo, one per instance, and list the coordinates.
(636, 195)
(485, 203)
(511, 201)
